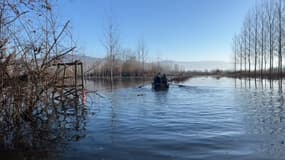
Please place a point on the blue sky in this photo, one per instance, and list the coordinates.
(183, 30)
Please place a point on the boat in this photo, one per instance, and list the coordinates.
(160, 86)
(160, 82)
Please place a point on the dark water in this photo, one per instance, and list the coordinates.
(203, 118)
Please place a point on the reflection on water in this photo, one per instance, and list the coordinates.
(106, 85)
(202, 118)
(264, 107)
(46, 134)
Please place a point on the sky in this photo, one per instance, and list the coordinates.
(181, 30)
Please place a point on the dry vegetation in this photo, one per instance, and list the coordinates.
(125, 62)
(31, 41)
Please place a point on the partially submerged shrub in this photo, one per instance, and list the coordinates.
(30, 43)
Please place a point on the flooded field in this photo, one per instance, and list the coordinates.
(202, 118)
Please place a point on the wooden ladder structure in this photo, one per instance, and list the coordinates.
(71, 83)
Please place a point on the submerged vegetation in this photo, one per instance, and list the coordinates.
(31, 42)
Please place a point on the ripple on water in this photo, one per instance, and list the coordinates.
(203, 118)
(214, 119)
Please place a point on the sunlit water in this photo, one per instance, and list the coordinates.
(203, 118)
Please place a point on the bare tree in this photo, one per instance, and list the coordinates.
(248, 25)
(111, 43)
(235, 48)
(270, 29)
(280, 28)
(240, 43)
(244, 40)
(262, 41)
(142, 53)
(255, 35)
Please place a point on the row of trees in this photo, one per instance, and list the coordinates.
(259, 47)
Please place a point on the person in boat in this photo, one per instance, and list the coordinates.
(157, 79)
(160, 82)
(164, 79)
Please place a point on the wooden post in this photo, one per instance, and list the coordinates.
(82, 76)
(63, 77)
(75, 74)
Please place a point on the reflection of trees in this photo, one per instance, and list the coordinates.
(105, 84)
(48, 131)
(265, 114)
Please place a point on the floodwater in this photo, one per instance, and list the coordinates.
(203, 118)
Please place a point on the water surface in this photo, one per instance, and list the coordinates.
(202, 118)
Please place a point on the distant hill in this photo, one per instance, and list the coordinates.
(200, 65)
(88, 61)
(83, 58)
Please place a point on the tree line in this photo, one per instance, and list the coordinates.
(258, 49)
(129, 63)
(125, 62)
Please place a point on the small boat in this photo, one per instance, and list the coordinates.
(160, 82)
(160, 86)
